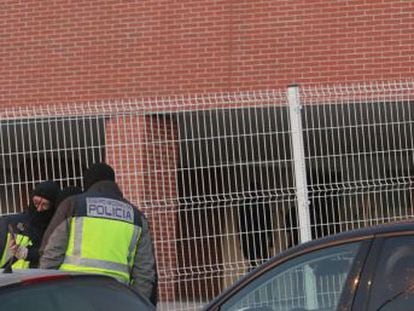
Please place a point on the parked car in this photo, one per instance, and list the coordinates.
(51, 290)
(366, 269)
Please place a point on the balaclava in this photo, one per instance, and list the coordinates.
(50, 191)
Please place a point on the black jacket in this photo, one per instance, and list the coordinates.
(36, 227)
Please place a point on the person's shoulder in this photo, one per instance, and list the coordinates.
(15, 218)
(69, 204)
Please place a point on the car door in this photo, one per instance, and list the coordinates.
(322, 279)
(389, 285)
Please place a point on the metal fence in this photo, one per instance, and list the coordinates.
(227, 180)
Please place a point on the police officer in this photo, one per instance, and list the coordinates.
(18, 223)
(30, 226)
(100, 232)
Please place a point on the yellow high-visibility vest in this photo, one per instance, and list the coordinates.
(21, 240)
(6, 254)
(102, 245)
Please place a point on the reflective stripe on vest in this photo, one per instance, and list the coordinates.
(6, 252)
(21, 240)
(104, 264)
(75, 260)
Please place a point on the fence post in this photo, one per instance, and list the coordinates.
(299, 162)
(311, 299)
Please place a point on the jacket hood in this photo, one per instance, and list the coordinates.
(105, 187)
(48, 190)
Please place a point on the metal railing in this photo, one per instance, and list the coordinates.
(227, 180)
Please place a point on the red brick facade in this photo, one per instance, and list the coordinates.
(77, 51)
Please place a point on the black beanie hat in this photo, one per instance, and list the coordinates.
(67, 192)
(97, 172)
(48, 190)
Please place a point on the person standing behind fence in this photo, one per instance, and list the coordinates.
(105, 234)
(60, 213)
(25, 246)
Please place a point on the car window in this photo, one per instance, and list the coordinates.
(313, 281)
(71, 294)
(393, 281)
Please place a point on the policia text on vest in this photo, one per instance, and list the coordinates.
(108, 208)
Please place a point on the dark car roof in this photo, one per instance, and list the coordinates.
(353, 235)
(19, 278)
(363, 233)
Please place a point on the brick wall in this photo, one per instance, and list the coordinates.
(80, 50)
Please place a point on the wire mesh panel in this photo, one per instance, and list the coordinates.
(215, 174)
(47, 147)
(236, 194)
(359, 153)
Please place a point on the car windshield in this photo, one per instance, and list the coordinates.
(80, 294)
(313, 281)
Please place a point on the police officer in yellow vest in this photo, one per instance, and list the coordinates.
(18, 223)
(29, 230)
(100, 232)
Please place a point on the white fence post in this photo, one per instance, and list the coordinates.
(299, 163)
